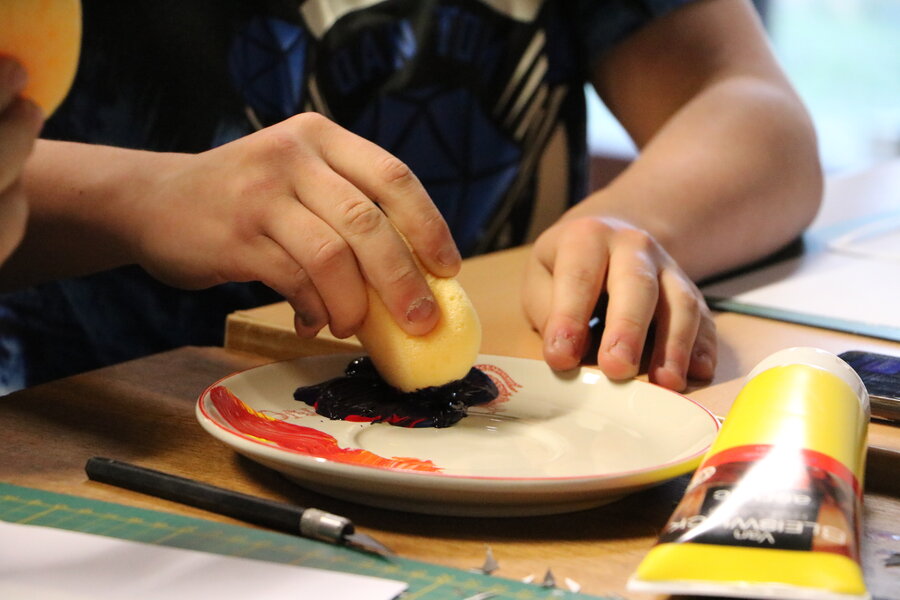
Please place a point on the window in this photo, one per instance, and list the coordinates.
(843, 57)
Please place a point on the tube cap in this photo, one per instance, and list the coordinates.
(815, 357)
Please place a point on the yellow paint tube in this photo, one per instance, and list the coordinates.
(774, 509)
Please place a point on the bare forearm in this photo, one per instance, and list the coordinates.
(732, 176)
(82, 200)
(289, 206)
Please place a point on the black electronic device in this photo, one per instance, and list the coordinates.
(881, 375)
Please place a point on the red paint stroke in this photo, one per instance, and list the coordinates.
(506, 385)
(303, 440)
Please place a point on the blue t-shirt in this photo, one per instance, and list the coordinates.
(467, 93)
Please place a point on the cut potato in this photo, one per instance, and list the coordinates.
(444, 354)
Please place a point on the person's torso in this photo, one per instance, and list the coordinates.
(467, 93)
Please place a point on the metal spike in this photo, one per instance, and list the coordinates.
(549, 581)
(490, 563)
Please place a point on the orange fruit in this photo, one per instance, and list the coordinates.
(45, 37)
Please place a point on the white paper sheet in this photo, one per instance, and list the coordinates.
(850, 280)
(54, 564)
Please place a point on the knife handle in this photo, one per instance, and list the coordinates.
(259, 511)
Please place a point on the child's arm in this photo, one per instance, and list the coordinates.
(728, 172)
(304, 206)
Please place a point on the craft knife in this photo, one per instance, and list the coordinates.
(288, 518)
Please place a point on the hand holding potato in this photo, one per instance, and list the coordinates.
(307, 208)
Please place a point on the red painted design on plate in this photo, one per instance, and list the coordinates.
(304, 440)
(506, 385)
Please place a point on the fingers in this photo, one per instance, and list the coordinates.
(310, 314)
(12, 80)
(284, 275)
(537, 290)
(705, 353)
(677, 323)
(358, 237)
(633, 289)
(387, 181)
(20, 122)
(323, 260)
(645, 288)
(294, 184)
(579, 267)
(265, 261)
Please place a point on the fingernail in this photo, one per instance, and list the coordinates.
(563, 344)
(623, 352)
(420, 310)
(306, 319)
(33, 112)
(449, 256)
(14, 75)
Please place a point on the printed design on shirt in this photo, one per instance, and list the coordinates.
(268, 65)
(456, 162)
(320, 15)
(461, 93)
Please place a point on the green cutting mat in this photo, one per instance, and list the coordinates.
(426, 581)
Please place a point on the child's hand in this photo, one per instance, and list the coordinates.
(309, 209)
(576, 259)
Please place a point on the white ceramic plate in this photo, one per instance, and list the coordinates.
(550, 443)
